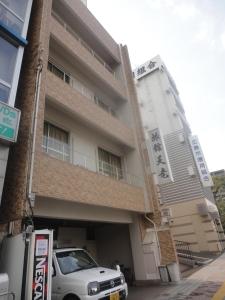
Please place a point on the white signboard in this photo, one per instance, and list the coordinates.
(39, 277)
(148, 67)
(205, 176)
(160, 157)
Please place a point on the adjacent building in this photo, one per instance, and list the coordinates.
(80, 166)
(14, 20)
(177, 161)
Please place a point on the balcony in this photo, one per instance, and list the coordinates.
(76, 100)
(67, 37)
(64, 152)
(78, 86)
(57, 179)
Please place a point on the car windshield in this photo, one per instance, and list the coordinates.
(74, 260)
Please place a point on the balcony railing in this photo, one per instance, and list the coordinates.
(82, 42)
(78, 86)
(64, 152)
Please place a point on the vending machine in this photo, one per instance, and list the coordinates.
(39, 266)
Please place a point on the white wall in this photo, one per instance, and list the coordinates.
(156, 105)
(53, 208)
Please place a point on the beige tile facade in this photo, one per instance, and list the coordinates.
(61, 180)
(55, 179)
(77, 104)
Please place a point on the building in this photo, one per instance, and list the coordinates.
(78, 166)
(177, 160)
(219, 184)
(14, 20)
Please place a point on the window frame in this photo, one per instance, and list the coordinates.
(119, 175)
(58, 127)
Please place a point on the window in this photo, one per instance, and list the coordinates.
(75, 260)
(58, 72)
(8, 54)
(12, 14)
(56, 142)
(110, 164)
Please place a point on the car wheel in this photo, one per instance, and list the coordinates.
(71, 297)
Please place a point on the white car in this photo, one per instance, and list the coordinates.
(76, 276)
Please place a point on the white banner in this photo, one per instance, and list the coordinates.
(205, 176)
(160, 157)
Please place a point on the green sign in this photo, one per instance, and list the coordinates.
(9, 122)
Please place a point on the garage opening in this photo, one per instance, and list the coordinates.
(108, 243)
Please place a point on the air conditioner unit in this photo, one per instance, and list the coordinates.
(165, 221)
(191, 171)
(181, 138)
(166, 212)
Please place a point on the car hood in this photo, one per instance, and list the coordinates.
(94, 274)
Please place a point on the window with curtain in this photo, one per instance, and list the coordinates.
(56, 142)
(110, 164)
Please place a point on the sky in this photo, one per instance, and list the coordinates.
(189, 35)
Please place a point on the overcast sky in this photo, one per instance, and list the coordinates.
(189, 35)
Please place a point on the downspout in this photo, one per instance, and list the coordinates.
(157, 238)
(34, 126)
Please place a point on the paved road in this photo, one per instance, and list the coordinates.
(205, 284)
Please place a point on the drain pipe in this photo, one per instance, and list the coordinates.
(34, 125)
(157, 239)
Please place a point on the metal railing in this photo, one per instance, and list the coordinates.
(56, 148)
(64, 152)
(184, 249)
(79, 87)
(82, 42)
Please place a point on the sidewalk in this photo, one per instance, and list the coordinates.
(205, 284)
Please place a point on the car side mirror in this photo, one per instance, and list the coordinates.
(53, 272)
(118, 268)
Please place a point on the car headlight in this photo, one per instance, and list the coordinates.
(93, 288)
(122, 278)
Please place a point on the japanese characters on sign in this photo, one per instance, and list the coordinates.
(146, 68)
(205, 176)
(40, 266)
(160, 158)
(9, 122)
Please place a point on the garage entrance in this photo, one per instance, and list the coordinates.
(108, 243)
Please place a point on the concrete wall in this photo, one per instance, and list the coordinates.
(156, 105)
(113, 245)
(56, 209)
(76, 237)
(187, 225)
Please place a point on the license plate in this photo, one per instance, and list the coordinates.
(114, 296)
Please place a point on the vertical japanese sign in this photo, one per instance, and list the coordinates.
(205, 176)
(160, 157)
(39, 276)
